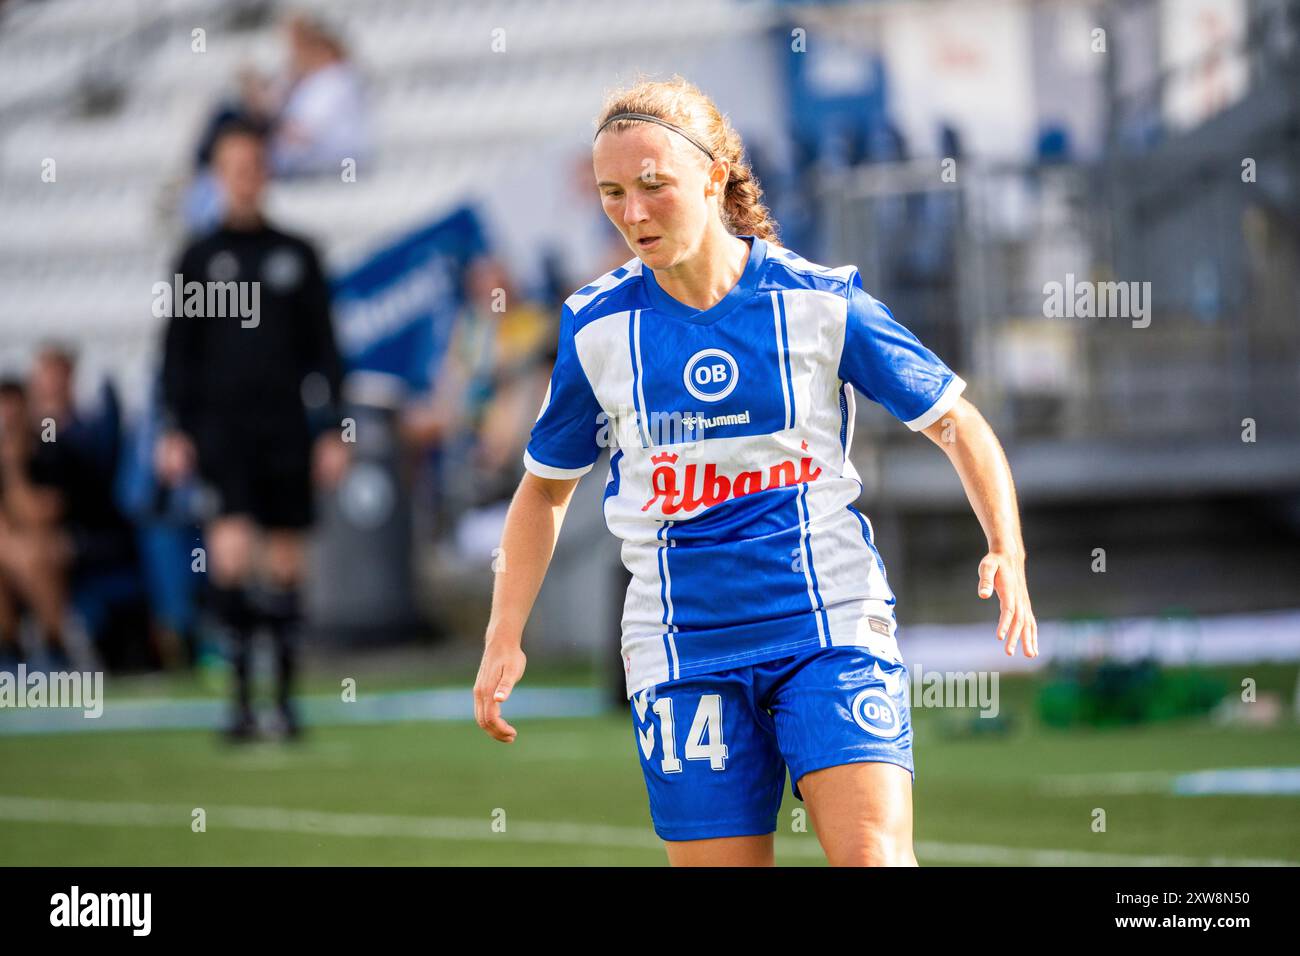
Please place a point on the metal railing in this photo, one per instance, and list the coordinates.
(967, 266)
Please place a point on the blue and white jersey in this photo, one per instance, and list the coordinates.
(729, 478)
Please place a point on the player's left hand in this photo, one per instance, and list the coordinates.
(1004, 573)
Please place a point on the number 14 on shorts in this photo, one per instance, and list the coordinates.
(704, 740)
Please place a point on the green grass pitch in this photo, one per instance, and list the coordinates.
(569, 792)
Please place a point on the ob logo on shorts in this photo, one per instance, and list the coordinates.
(710, 375)
(876, 713)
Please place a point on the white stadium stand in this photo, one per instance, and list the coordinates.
(114, 94)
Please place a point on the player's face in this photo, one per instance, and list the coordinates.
(654, 191)
(240, 165)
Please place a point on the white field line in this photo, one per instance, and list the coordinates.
(436, 704)
(318, 823)
(1224, 781)
(1082, 784)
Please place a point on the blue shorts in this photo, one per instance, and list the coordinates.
(714, 748)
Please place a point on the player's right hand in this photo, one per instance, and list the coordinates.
(1003, 573)
(174, 457)
(502, 667)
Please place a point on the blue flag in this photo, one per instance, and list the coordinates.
(394, 312)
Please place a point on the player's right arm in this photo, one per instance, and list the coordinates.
(562, 448)
(527, 543)
(174, 455)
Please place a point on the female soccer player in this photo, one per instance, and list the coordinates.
(758, 630)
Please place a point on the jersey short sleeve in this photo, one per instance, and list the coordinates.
(889, 365)
(563, 442)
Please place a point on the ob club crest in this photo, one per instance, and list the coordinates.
(710, 375)
(876, 713)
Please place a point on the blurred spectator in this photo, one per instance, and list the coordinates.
(317, 111)
(501, 353)
(61, 525)
(165, 518)
(19, 504)
(314, 116)
(321, 120)
(591, 246)
(490, 385)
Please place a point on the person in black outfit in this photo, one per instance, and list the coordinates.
(250, 398)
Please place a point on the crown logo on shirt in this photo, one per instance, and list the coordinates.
(664, 458)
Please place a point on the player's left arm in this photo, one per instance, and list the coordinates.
(330, 457)
(975, 452)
